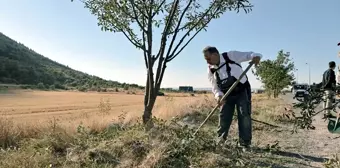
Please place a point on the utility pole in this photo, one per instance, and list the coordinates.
(308, 73)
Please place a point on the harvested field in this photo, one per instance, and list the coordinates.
(73, 108)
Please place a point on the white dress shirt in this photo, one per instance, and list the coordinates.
(236, 71)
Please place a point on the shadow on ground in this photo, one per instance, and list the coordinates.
(284, 159)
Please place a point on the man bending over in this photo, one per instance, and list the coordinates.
(224, 69)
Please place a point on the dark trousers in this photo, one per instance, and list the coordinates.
(243, 107)
(248, 90)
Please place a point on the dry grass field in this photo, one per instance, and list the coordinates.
(28, 112)
(90, 129)
(94, 109)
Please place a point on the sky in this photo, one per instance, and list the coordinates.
(66, 32)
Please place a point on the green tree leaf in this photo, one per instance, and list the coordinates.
(276, 74)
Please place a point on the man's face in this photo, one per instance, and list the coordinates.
(211, 59)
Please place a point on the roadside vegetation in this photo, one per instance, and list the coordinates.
(125, 142)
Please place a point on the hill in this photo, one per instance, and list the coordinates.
(21, 65)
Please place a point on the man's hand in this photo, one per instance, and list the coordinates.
(220, 101)
(256, 60)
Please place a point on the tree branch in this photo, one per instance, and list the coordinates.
(149, 32)
(129, 35)
(192, 28)
(159, 81)
(173, 56)
(135, 15)
(163, 39)
(166, 29)
(177, 27)
(149, 56)
(158, 8)
(144, 45)
(133, 41)
(140, 10)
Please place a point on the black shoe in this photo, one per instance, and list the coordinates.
(221, 140)
(246, 148)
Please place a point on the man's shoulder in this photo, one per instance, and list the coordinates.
(226, 56)
(327, 71)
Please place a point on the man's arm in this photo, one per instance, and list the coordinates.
(326, 77)
(333, 79)
(239, 56)
(216, 91)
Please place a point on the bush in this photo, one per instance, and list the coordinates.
(26, 87)
(52, 87)
(41, 86)
(82, 89)
(59, 86)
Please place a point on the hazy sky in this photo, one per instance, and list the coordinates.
(67, 33)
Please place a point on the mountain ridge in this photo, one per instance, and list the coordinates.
(22, 65)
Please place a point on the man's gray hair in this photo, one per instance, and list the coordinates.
(210, 49)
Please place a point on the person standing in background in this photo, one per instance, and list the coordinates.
(329, 87)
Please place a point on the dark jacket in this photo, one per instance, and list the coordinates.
(329, 80)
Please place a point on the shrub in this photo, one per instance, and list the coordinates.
(41, 86)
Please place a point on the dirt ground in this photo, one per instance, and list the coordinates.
(306, 148)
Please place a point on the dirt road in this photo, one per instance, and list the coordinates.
(311, 147)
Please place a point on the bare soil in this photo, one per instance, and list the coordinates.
(306, 148)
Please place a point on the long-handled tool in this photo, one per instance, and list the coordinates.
(225, 96)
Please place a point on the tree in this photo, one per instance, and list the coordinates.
(179, 22)
(276, 74)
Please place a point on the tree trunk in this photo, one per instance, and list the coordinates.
(268, 92)
(276, 93)
(151, 92)
(148, 112)
(146, 96)
(149, 100)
